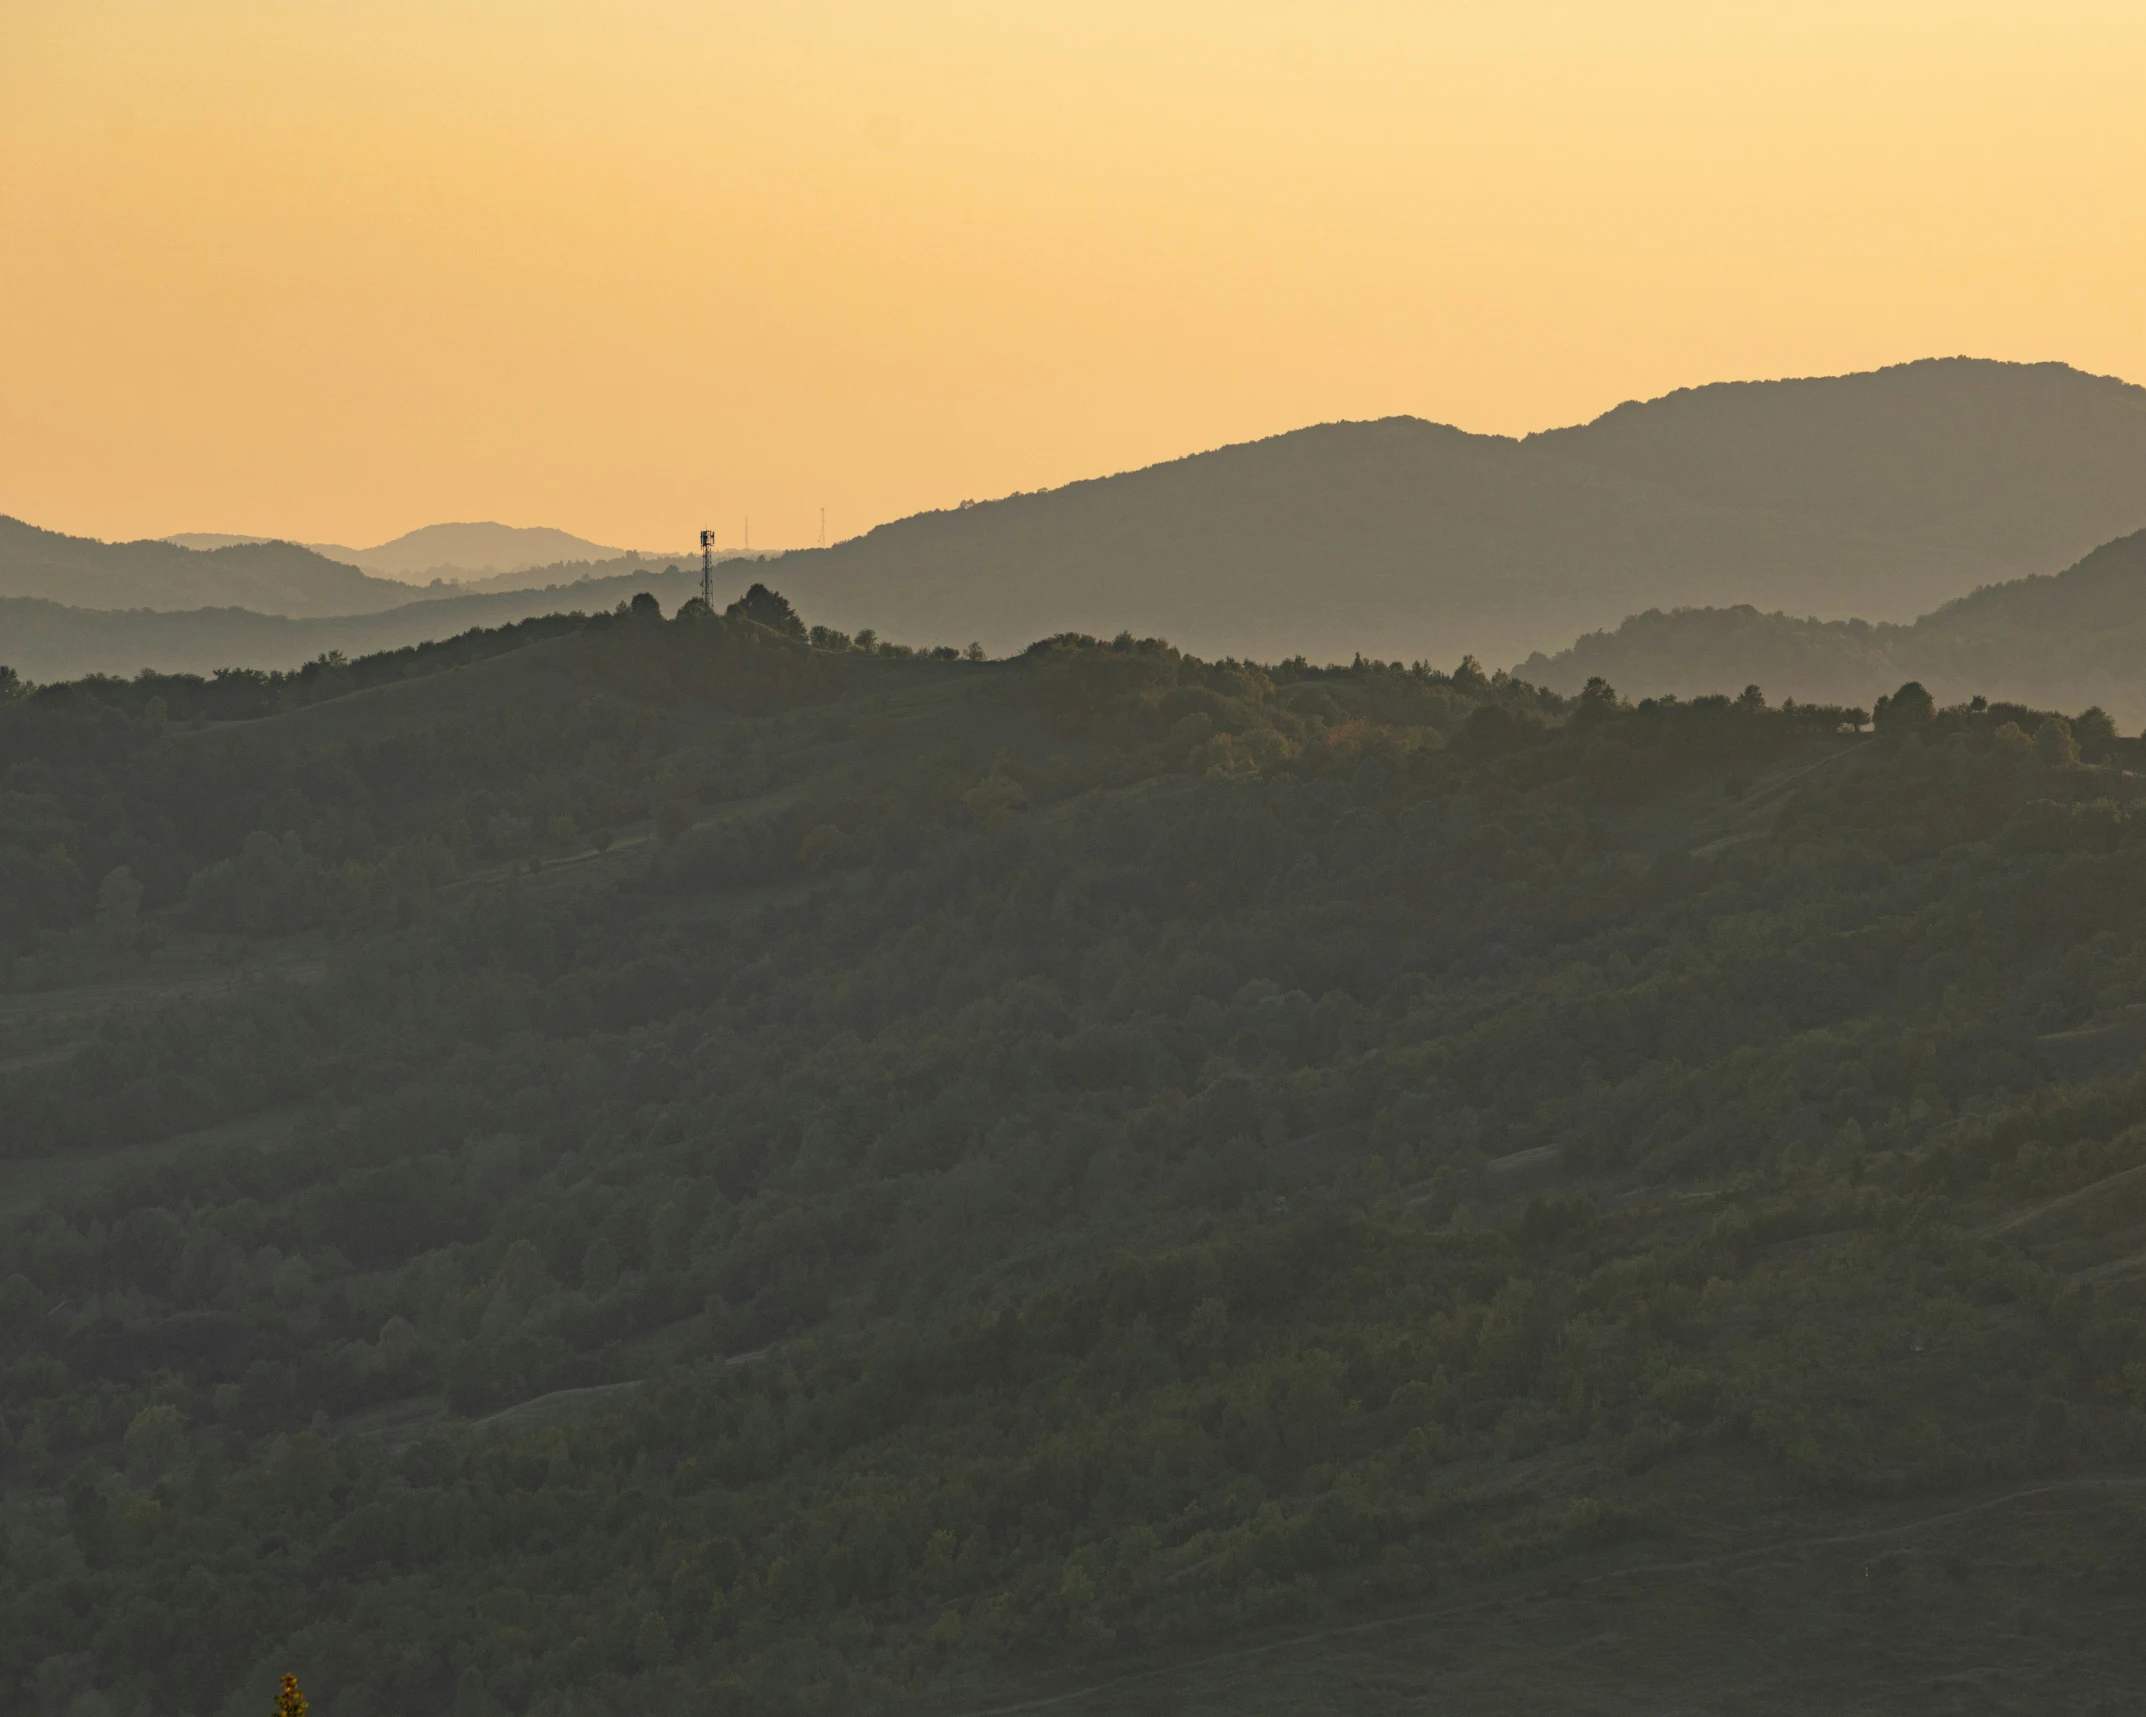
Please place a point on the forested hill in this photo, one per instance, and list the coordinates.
(1880, 495)
(651, 1165)
(2077, 634)
(267, 578)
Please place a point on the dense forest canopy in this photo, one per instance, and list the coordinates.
(658, 1164)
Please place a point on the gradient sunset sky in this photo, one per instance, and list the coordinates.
(332, 271)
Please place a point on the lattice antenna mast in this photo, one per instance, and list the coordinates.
(707, 570)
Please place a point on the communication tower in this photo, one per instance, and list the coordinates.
(707, 569)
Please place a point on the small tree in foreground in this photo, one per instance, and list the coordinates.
(289, 1701)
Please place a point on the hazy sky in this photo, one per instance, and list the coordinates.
(336, 268)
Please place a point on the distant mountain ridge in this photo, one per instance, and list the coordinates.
(267, 577)
(2064, 639)
(1883, 493)
(45, 640)
(453, 551)
(473, 550)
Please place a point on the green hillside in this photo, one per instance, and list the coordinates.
(650, 1165)
(2075, 635)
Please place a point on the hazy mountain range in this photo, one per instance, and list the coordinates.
(2073, 638)
(51, 641)
(458, 553)
(267, 577)
(1878, 496)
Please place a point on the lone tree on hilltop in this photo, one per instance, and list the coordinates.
(1910, 707)
(768, 608)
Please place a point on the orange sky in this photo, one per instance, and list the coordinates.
(333, 269)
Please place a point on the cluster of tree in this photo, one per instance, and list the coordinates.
(1087, 1154)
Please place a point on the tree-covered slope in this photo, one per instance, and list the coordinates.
(666, 1166)
(2075, 635)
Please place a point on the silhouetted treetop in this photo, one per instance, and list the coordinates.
(767, 608)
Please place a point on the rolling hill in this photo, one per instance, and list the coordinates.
(2080, 634)
(1881, 494)
(266, 577)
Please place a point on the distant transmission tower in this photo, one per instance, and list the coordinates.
(707, 570)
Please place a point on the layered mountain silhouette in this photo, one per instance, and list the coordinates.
(47, 641)
(1881, 494)
(2066, 640)
(267, 577)
(461, 552)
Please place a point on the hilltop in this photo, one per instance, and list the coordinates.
(642, 1164)
(1880, 495)
(2080, 633)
